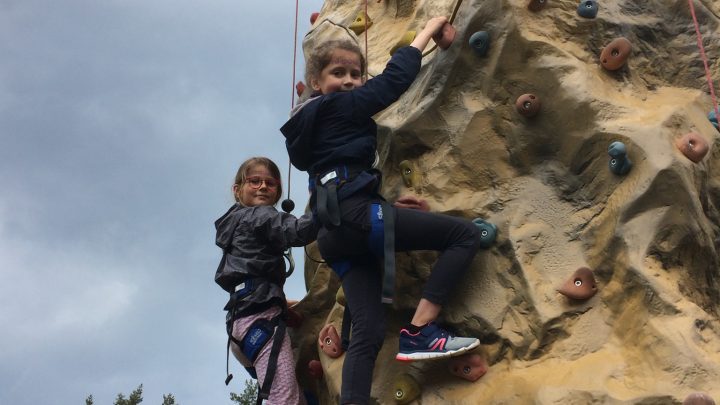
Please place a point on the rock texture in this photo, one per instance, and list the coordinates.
(651, 333)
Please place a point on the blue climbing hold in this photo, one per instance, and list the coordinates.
(619, 162)
(587, 8)
(480, 42)
(488, 232)
(713, 119)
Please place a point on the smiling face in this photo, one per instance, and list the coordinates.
(258, 188)
(343, 73)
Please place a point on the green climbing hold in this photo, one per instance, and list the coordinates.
(488, 232)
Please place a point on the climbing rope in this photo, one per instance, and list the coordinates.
(704, 58)
(292, 87)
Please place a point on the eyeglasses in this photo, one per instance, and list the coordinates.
(257, 182)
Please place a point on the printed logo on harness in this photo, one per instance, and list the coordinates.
(255, 336)
(380, 213)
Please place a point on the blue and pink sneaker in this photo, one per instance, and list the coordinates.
(432, 342)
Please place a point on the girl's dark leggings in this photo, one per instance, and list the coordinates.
(457, 240)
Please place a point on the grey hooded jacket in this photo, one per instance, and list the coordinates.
(253, 240)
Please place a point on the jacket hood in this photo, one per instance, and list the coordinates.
(225, 227)
(298, 133)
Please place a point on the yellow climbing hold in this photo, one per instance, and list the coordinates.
(358, 26)
(404, 41)
(406, 389)
(410, 175)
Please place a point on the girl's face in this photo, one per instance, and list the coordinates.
(259, 188)
(343, 73)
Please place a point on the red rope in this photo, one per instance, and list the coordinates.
(704, 58)
(292, 86)
(367, 17)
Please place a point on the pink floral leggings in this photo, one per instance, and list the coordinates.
(285, 389)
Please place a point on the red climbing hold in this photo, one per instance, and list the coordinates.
(527, 105)
(444, 38)
(469, 366)
(300, 88)
(614, 55)
(314, 17)
(315, 369)
(329, 341)
(580, 286)
(693, 146)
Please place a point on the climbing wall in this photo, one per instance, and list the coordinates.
(580, 130)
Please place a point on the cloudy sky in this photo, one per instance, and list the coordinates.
(122, 123)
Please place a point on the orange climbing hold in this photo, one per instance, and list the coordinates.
(615, 54)
(362, 21)
(329, 341)
(580, 286)
(300, 88)
(444, 38)
(469, 366)
(693, 146)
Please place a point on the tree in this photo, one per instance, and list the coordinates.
(248, 396)
(89, 400)
(168, 399)
(134, 398)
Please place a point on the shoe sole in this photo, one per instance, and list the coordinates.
(435, 355)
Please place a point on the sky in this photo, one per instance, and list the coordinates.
(122, 124)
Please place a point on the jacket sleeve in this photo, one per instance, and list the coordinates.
(284, 230)
(384, 89)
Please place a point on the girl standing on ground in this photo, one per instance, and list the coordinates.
(333, 137)
(254, 235)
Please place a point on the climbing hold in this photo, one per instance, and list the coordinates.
(470, 366)
(536, 5)
(361, 22)
(614, 55)
(713, 119)
(698, 398)
(405, 40)
(480, 42)
(340, 296)
(314, 17)
(580, 286)
(330, 341)
(444, 38)
(294, 318)
(588, 8)
(527, 105)
(410, 175)
(488, 232)
(315, 369)
(693, 146)
(299, 88)
(406, 389)
(619, 162)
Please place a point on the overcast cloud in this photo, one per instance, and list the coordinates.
(122, 123)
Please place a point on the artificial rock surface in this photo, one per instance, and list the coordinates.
(651, 333)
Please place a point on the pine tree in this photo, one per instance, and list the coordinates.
(248, 396)
(134, 399)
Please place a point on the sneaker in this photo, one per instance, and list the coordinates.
(432, 342)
